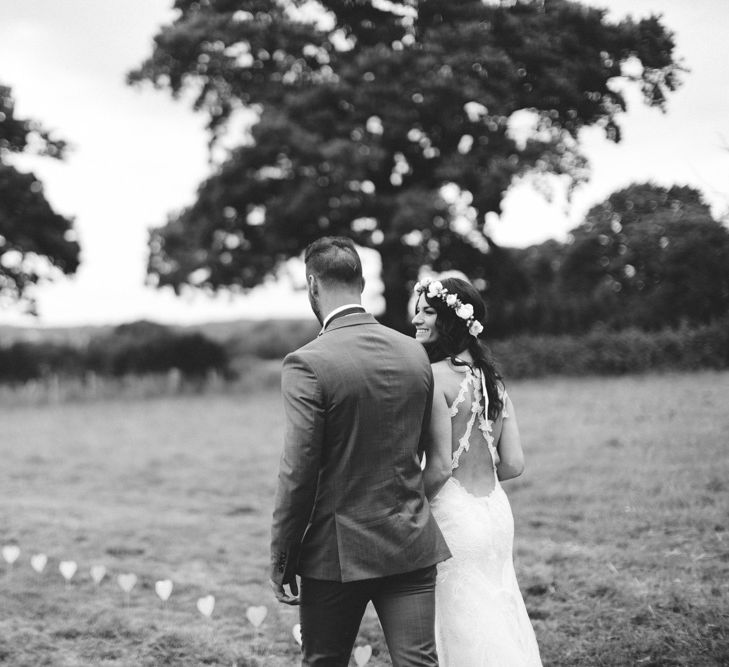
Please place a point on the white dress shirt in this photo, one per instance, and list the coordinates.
(329, 317)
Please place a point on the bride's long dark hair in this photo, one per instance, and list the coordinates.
(454, 338)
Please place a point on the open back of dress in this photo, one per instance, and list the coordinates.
(475, 455)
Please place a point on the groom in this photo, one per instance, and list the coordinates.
(350, 514)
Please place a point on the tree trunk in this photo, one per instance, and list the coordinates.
(396, 281)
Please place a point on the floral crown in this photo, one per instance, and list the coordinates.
(435, 289)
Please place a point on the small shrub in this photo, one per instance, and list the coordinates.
(272, 339)
(143, 348)
(23, 361)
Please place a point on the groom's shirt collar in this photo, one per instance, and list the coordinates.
(346, 309)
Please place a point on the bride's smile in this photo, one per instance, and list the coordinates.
(424, 323)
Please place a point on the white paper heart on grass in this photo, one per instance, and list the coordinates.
(68, 569)
(362, 655)
(127, 582)
(97, 572)
(163, 588)
(256, 615)
(38, 562)
(206, 605)
(296, 631)
(11, 553)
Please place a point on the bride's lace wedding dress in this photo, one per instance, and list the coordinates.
(481, 620)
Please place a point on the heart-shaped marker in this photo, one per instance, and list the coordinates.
(163, 588)
(68, 569)
(296, 631)
(127, 582)
(11, 553)
(38, 562)
(97, 572)
(256, 615)
(362, 655)
(206, 605)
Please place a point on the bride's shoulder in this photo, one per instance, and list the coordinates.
(441, 368)
(444, 375)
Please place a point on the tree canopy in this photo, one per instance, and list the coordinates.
(649, 256)
(389, 121)
(35, 242)
(654, 256)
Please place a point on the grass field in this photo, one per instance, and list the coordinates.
(622, 548)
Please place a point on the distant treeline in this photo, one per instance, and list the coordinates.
(139, 348)
(226, 351)
(605, 352)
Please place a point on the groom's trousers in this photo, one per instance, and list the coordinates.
(331, 613)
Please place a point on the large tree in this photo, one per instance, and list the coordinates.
(368, 108)
(36, 243)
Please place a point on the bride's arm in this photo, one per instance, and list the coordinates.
(438, 446)
(511, 463)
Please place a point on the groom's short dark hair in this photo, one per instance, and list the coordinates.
(334, 259)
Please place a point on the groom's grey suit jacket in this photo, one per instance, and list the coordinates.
(350, 503)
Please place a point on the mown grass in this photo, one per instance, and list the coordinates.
(622, 549)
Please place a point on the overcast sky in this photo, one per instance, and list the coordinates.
(138, 155)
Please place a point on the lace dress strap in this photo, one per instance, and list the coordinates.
(474, 380)
(453, 410)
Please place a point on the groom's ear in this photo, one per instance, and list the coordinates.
(312, 284)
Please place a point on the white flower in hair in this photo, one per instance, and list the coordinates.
(451, 300)
(475, 328)
(465, 311)
(435, 288)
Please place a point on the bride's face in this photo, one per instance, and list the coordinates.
(424, 322)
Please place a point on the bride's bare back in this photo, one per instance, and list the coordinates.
(482, 450)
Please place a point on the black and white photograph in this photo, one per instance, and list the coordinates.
(345, 333)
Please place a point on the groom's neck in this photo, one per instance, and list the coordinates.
(333, 299)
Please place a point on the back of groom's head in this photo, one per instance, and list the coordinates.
(333, 260)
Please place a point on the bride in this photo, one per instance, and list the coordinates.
(481, 620)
